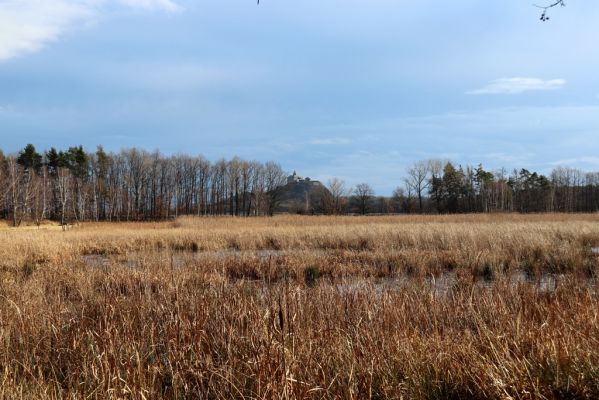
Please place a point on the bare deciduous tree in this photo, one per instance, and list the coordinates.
(363, 195)
(339, 193)
(63, 184)
(274, 179)
(3, 181)
(417, 180)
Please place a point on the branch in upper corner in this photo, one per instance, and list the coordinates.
(544, 16)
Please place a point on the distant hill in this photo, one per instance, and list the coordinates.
(301, 196)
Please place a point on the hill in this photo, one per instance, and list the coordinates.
(301, 196)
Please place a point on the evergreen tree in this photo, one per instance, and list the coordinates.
(453, 180)
(55, 159)
(77, 161)
(483, 181)
(29, 158)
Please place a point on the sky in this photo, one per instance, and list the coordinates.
(340, 88)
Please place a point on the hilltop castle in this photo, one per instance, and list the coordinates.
(295, 178)
(301, 195)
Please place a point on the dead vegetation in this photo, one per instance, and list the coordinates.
(493, 306)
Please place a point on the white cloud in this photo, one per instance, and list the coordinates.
(27, 26)
(584, 160)
(518, 85)
(330, 141)
(167, 5)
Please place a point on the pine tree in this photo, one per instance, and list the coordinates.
(29, 158)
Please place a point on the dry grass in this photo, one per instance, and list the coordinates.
(303, 307)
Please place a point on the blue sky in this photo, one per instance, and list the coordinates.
(345, 88)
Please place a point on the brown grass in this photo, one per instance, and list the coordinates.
(303, 307)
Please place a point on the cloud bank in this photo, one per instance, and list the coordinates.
(330, 141)
(518, 85)
(27, 26)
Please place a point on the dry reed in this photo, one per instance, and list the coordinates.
(471, 307)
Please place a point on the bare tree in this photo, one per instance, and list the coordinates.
(339, 193)
(417, 180)
(3, 182)
(63, 183)
(274, 180)
(15, 176)
(363, 195)
(203, 183)
(39, 195)
(403, 200)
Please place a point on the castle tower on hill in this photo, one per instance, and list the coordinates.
(296, 178)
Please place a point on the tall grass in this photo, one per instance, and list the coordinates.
(337, 308)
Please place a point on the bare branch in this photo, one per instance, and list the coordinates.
(544, 16)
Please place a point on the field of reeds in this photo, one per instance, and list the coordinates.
(423, 307)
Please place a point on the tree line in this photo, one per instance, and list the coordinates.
(442, 187)
(74, 185)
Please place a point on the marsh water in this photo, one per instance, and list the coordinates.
(177, 259)
(440, 284)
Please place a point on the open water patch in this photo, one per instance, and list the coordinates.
(177, 259)
(95, 261)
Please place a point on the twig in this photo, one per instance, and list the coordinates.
(544, 16)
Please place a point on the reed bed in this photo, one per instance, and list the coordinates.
(303, 308)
